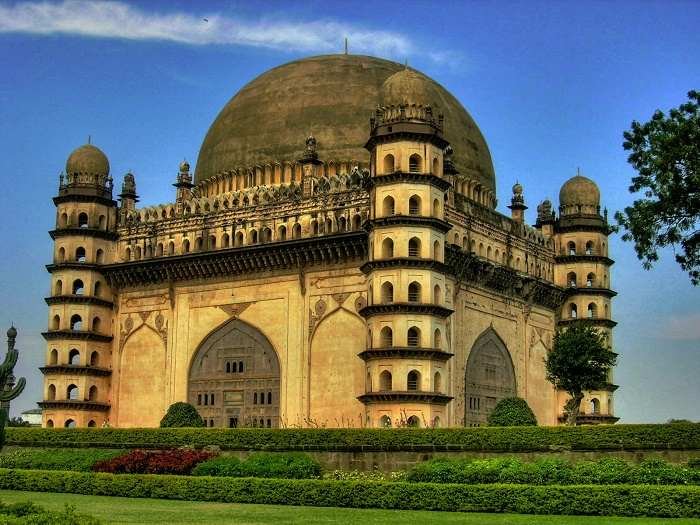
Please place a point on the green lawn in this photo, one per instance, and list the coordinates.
(128, 510)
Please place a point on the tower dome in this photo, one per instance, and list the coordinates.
(407, 87)
(579, 191)
(87, 160)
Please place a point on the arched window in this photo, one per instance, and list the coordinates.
(386, 337)
(61, 254)
(437, 382)
(238, 239)
(53, 357)
(92, 393)
(282, 233)
(58, 288)
(127, 254)
(82, 220)
(74, 357)
(329, 225)
(186, 246)
(388, 206)
(137, 253)
(356, 222)
(572, 248)
(69, 423)
(72, 392)
(413, 380)
(413, 422)
(385, 381)
(266, 235)
(159, 250)
(51, 393)
(389, 163)
(437, 295)
(99, 256)
(78, 287)
(97, 289)
(436, 208)
(436, 166)
(387, 292)
(296, 231)
(488, 253)
(414, 292)
(253, 237)
(414, 205)
(595, 406)
(592, 310)
(76, 322)
(413, 336)
(80, 254)
(314, 227)
(589, 248)
(63, 220)
(573, 313)
(414, 247)
(437, 339)
(342, 224)
(96, 324)
(385, 422)
(590, 279)
(415, 163)
(571, 280)
(387, 248)
(56, 323)
(92, 424)
(481, 249)
(436, 422)
(225, 240)
(198, 243)
(95, 358)
(102, 222)
(49, 423)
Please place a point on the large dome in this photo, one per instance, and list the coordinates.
(332, 98)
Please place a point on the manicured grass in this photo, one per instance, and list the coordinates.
(128, 510)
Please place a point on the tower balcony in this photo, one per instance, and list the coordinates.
(408, 220)
(84, 232)
(583, 258)
(78, 299)
(406, 396)
(589, 290)
(94, 371)
(406, 308)
(405, 352)
(74, 404)
(596, 321)
(410, 177)
(77, 335)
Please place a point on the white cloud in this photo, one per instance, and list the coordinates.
(113, 19)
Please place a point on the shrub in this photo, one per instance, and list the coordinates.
(493, 439)
(620, 500)
(27, 513)
(176, 461)
(181, 415)
(512, 412)
(55, 458)
(262, 465)
(694, 463)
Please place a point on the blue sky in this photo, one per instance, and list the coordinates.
(552, 86)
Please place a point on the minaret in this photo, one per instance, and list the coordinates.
(183, 184)
(407, 345)
(583, 268)
(78, 357)
(517, 204)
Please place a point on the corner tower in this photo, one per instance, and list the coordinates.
(407, 354)
(78, 356)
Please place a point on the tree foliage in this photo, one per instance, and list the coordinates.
(512, 412)
(181, 415)
(580, 360)
(666, 154)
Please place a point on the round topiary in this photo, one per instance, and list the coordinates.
(512, 412)
(181, 415)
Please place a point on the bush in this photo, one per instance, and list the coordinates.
(512, 412)
(181, 415)
(262, 465)
(607, 471)
(27, 513)
(55, 458)
(620, 500)
(177, 461)
(492, 439)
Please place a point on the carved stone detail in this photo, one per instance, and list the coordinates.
(360, 303)
(234, 310)
(340, 298)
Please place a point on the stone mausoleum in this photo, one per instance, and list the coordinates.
(335, 259)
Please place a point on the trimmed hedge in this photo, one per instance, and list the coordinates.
(512, 412)
(262, 465)
(552, 471)
(55, 458)
(621, 500)
(27, 513)
(181, 415)
(495, 439)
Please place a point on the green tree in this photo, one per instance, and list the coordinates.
(665, 152)
(512, 412)
(580, 360)
(181, 415)
(8, 392)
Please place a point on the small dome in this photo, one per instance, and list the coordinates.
(184, 166)
(12, 332)
(579, 191)
(407, 87)
(89, 160)
(517, 189)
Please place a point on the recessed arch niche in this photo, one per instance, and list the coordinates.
(234, 378)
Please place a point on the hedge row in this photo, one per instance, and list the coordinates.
(292, 465)
(515, 439)
(55, 458)
(621, 500)
(27, 513)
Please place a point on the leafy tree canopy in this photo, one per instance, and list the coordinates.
(181, 415)
(512, 412)
(665, 152)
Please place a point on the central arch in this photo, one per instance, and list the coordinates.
(234, 378)
(489, 377)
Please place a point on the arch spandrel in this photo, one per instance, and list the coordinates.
(489, 377)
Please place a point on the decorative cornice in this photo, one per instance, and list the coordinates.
(586, 290)
(78, 299)
(72, 265)
(410, 177)
(293, 254)
(77, 335)
(417, 396)
(405, 262)
(76, 369)
(583, 259)
(84, 232)
(418, 132)
(406, 308)
(591, 419)
(405, 352)
(79, 197)
(597, 321)
(409, 220)
(74, 404)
